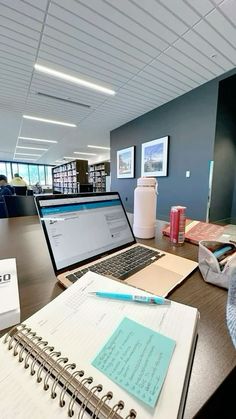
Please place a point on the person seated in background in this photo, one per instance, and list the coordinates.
(18, 181)
(5, 188)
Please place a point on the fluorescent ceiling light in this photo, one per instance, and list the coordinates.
(89, 154)
(59, 161)
(32, 148)
(28, 154)
(98, 146)
(49, 121)
(38, 139)
(72, 79)
(73, 158)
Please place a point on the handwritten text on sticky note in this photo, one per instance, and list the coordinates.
(137, 358)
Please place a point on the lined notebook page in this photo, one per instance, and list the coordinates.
(78, 325)
(21, 396)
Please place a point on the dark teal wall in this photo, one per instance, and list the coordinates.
(190, 122)
(223, 203)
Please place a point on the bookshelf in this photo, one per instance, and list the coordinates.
(67, 176)
(97, 175)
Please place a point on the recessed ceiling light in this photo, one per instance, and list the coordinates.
(98, 146)
(32, 148)
(49, 121)
(89, 154)
(72, 79)
(38, 139)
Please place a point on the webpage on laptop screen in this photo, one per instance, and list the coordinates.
(79, 230)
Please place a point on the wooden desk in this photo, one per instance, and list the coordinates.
(215, 356)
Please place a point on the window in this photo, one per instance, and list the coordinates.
(48, 175)
(9, 175)
(33, 174)
(24, 172)
(41, 175)
(3, 170)
(14, 168)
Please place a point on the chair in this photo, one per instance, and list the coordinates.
(86, 187)
(29, 192)
(3, 209)
(18, 206)
(20, 190)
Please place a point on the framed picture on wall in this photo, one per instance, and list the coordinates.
(154, 159)
(125, 163)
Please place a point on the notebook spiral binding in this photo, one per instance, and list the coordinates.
(48, 364)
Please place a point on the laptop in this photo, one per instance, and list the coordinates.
(91, 231)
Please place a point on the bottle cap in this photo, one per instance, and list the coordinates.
(147, 181)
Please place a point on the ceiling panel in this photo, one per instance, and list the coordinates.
(222, 25)
(161, 15)
(21, 38)
(148, 52)
(117, 37)
(202, 45)
(167, 71)
(75, 57)
(148, 81)
(202, 7)
(208, 64)
(111, 21)
(216, 1)
(216, 40)
(87, 44)
(16, 61)
(228, 8)
(166, 84)
(40, 4)
(24, 7)
(190, 63)
(132, 18)
(171, 62)
(112, 48)
(86, 70)
(14, 10)
(16, 27)
(181, 10)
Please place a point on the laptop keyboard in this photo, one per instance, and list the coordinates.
(123, 265)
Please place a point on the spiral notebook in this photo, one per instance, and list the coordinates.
(47, 366)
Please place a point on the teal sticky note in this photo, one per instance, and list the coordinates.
(137, 358)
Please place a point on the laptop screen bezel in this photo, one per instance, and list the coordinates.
(91, 259)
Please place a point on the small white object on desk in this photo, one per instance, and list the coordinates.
(9, 294)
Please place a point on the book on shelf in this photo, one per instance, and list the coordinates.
(200, 230)
(63, 357)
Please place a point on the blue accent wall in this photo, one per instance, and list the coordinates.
(190, 122)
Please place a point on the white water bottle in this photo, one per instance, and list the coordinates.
(145, 201)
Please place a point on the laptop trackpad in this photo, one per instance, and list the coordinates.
(155, 279)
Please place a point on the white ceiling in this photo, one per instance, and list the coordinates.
(148, 52)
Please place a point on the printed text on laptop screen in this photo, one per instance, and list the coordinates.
(79, 230)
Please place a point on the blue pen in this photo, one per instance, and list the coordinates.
(130, 297)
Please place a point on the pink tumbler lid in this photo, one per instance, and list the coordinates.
(147, 181)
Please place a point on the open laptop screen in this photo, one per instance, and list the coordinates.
(79, 228)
